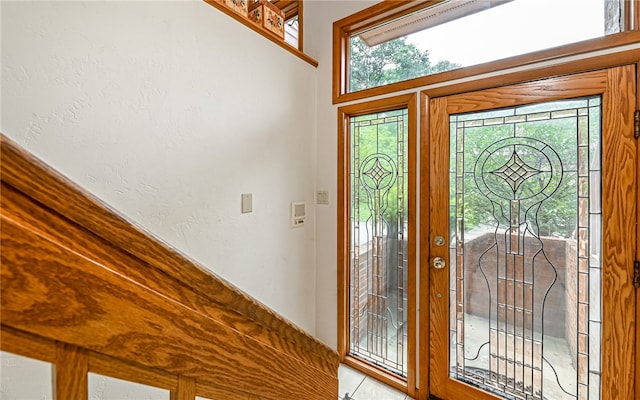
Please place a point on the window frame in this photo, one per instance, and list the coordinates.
(612, 50)
(408, 101)
(298, 52)
(630, 57)
(389, 10)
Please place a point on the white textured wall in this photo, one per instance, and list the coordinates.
(318, 25)
(168, 111)
(16, 370)
(320, 15)
(106, 388)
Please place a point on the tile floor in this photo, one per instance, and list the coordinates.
(361, 387)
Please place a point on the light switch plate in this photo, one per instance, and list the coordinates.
(322, 197)
(247, 203)
(298, 214)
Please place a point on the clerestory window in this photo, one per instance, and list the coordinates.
(391, 43)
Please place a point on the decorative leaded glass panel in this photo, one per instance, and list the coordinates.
(378, 269)
(525, 224)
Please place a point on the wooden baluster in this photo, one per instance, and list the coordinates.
(70, 373)
(186, 389)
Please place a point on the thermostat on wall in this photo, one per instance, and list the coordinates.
(298, 214)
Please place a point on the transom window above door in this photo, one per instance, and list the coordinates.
(391, 43)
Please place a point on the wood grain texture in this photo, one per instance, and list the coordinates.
(380, 374)
(57, 229)
(342, 241)
(344, 229)
(130, 371)
(214, 392)
(245, 21)
(439, 225)
(620, 212)
(27, 345)
(344, 28)
(186, 389)
(631, 14)
(504, 78)
(340, 60)
(472, 77)
(72, 367)
(48, 288)
(75, 272)
(619, 208)
(637, 362)
(530, 92)
(300, 13)
(43, 349)
(423, 267)
(35, 180)
(412, 163)
(460, 390)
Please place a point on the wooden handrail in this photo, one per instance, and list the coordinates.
(74, 271)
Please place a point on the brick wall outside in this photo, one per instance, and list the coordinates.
(492, 263)
(561, 302)
(571, 296)
(370, 285)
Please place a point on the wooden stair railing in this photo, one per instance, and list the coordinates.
(85, 289)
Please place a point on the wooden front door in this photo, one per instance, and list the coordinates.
(532, 213)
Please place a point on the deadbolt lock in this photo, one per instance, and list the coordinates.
(439, 263)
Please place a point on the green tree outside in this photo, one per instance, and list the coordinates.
(558, 214)
(389, 62)
(398, 60)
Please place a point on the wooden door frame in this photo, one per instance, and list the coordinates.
(426, 206)
(637, 252)
(344, 200)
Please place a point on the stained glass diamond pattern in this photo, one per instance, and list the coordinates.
(508, 336)
(377, 173)
(515, 171)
